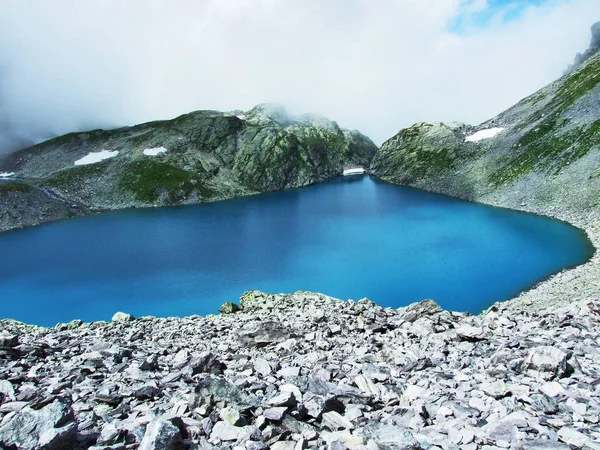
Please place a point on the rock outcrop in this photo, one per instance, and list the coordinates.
(592, 49)
(306, 370)
(198, 157)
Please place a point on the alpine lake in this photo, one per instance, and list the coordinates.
(351, 237)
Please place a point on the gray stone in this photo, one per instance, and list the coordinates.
(224, 431)
(229, 308)
(391, 437)
(8, 340)
(540, 444)
(471, 333)
(418, 310)
(122, 317)
(573, 437)
(161, 435)
(285, 398)
(335, 421)
(275, 413)
(547, 362)
(263, 367)
(51, 428)
(233, 416)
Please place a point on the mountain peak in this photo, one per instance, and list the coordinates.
(592, 49)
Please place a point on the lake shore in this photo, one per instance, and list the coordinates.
(451, 239)
(571, 284)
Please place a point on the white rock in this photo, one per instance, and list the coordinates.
(122, 317)
(572, 437)
(552, 389)
(225, 431)
(366, 385)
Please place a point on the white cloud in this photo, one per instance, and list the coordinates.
(375, 66)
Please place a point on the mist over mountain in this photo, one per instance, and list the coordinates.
(373, 66)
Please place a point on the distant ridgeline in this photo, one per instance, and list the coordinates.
(197, 157)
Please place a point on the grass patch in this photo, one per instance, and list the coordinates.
(147, 180)
(547, 151)
(75, 175)
(6, 188)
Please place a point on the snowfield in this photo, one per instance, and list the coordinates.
(95, 157)
(483, 134)
(7, 174)
(154, 151)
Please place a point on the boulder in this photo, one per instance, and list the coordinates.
(417, 310)
(547, 362)
(161, 435)
(52, 427)
(8, 340)
(229, 308)
(122, 317)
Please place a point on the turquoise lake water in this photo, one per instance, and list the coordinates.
(351, 237)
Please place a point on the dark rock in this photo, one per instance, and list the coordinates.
(229, 308)
(8, 340)
(207, 362)
(51, 428)
(147, 392)
(161, 435)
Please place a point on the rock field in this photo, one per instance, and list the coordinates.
(306, 371)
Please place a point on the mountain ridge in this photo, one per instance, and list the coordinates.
(545, 159)
(196, 157)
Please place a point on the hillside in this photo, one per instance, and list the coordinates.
(547, 154)
(197, 157)
(542, 155)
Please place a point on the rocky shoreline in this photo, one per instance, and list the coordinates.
(569, 285)
(306, 371)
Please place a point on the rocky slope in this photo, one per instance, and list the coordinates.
(306, 370)
(542, 155)
(197, 157)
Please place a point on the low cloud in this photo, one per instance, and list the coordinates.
(69, 65)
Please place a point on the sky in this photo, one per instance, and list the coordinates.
(372, 65)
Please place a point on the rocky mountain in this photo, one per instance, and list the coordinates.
(197, 157)
(541, 155)
(593, 48)
(544, 151)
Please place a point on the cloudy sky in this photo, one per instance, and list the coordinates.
(374, 65)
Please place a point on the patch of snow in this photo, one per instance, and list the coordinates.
(154, 151)
(357, 171)
(483, 134)
(7, 174)
(95, 157)
(241, 116)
